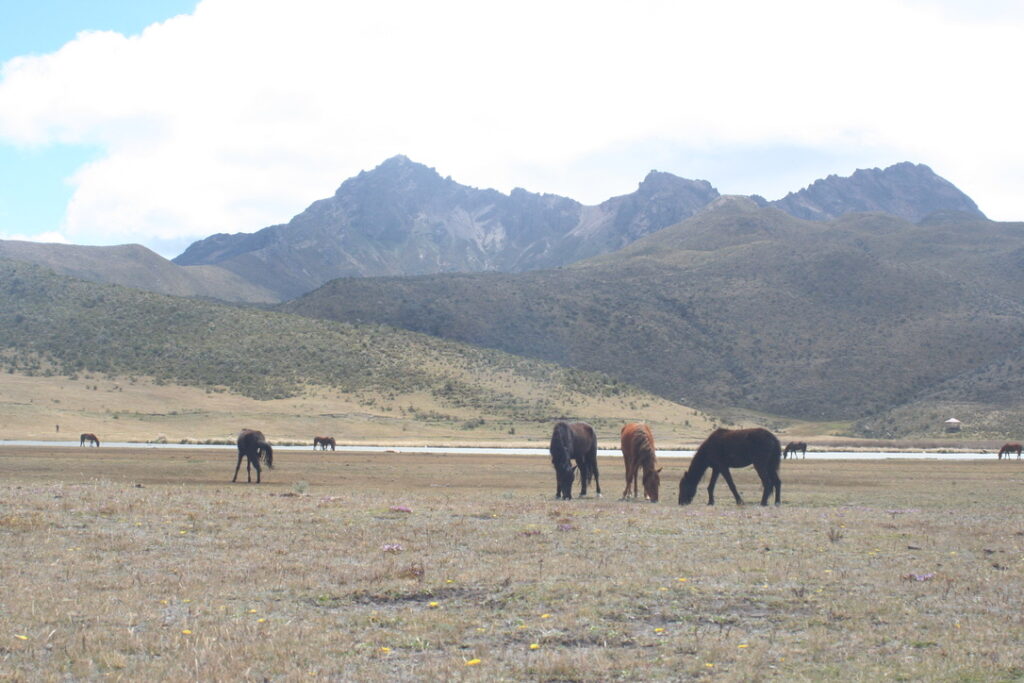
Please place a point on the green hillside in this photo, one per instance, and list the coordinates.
(51, 324)
(745, 306)
(133, 265)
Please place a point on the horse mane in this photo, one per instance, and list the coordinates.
(700, 461)
(561, 445)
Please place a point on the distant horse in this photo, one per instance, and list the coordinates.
(574, 441)
(638, 452)
(253, 445)
(1010, 448)
(729, 448)
(90, 439)
(792, 447)
(323, 442)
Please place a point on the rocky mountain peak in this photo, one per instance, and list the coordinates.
(910, 191)
(659, 182)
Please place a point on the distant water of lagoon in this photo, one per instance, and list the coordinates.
(462, 450)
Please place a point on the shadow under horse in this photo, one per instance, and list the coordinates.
(730, 448)
(253, 446)
(574, 441)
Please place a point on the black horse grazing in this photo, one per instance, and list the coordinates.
(574, 441)
(792, 447)
(727, 448)
(253, 445)
(323, 442)
(89, 438)
(1010, 448)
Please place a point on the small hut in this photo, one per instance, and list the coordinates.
(952, 425)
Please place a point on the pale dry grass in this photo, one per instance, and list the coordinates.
(137, 409)
(143, 565)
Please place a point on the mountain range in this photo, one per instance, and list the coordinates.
(403, 218)
(886, 296)
(744, 305)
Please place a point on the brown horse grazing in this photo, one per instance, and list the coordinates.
(89, 438)
(323, 442)
(638, 452)
(574, 441)
(728, 448)
(1010, 448)
(253, 446)
(792, 447)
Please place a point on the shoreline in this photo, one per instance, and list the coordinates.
(409, 447)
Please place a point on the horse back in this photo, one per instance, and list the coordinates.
(637, 442)
(584, 440)
(248, 439)
(743, 447)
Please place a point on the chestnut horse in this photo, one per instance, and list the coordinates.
(323, 442)
(574, 441)
(728, 448)
(792, 447)
(90, 439)
(253, 446)
(1010, 448)
(638, 452)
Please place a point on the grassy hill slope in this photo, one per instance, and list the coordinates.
(133, 265)
(744, 306)
(55, 326)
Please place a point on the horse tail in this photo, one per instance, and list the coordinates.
(267, 451)
(591, 457)
(776, 455)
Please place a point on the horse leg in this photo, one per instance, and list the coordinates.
(240, 456)
(711, 487)
(597, 476)
(732, 486)
(256, 464)
(630, 478)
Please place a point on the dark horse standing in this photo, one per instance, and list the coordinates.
(323, 442)
(89, 438)
(638, 452)
(792, 447)
(253, 445)
(728, 448)
(574, 441)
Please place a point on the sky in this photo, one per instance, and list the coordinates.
(166, 121)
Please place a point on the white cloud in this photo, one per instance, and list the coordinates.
(50, 237)
(240, 115)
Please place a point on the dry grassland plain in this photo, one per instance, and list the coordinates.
(139, 410)
(147, 564)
